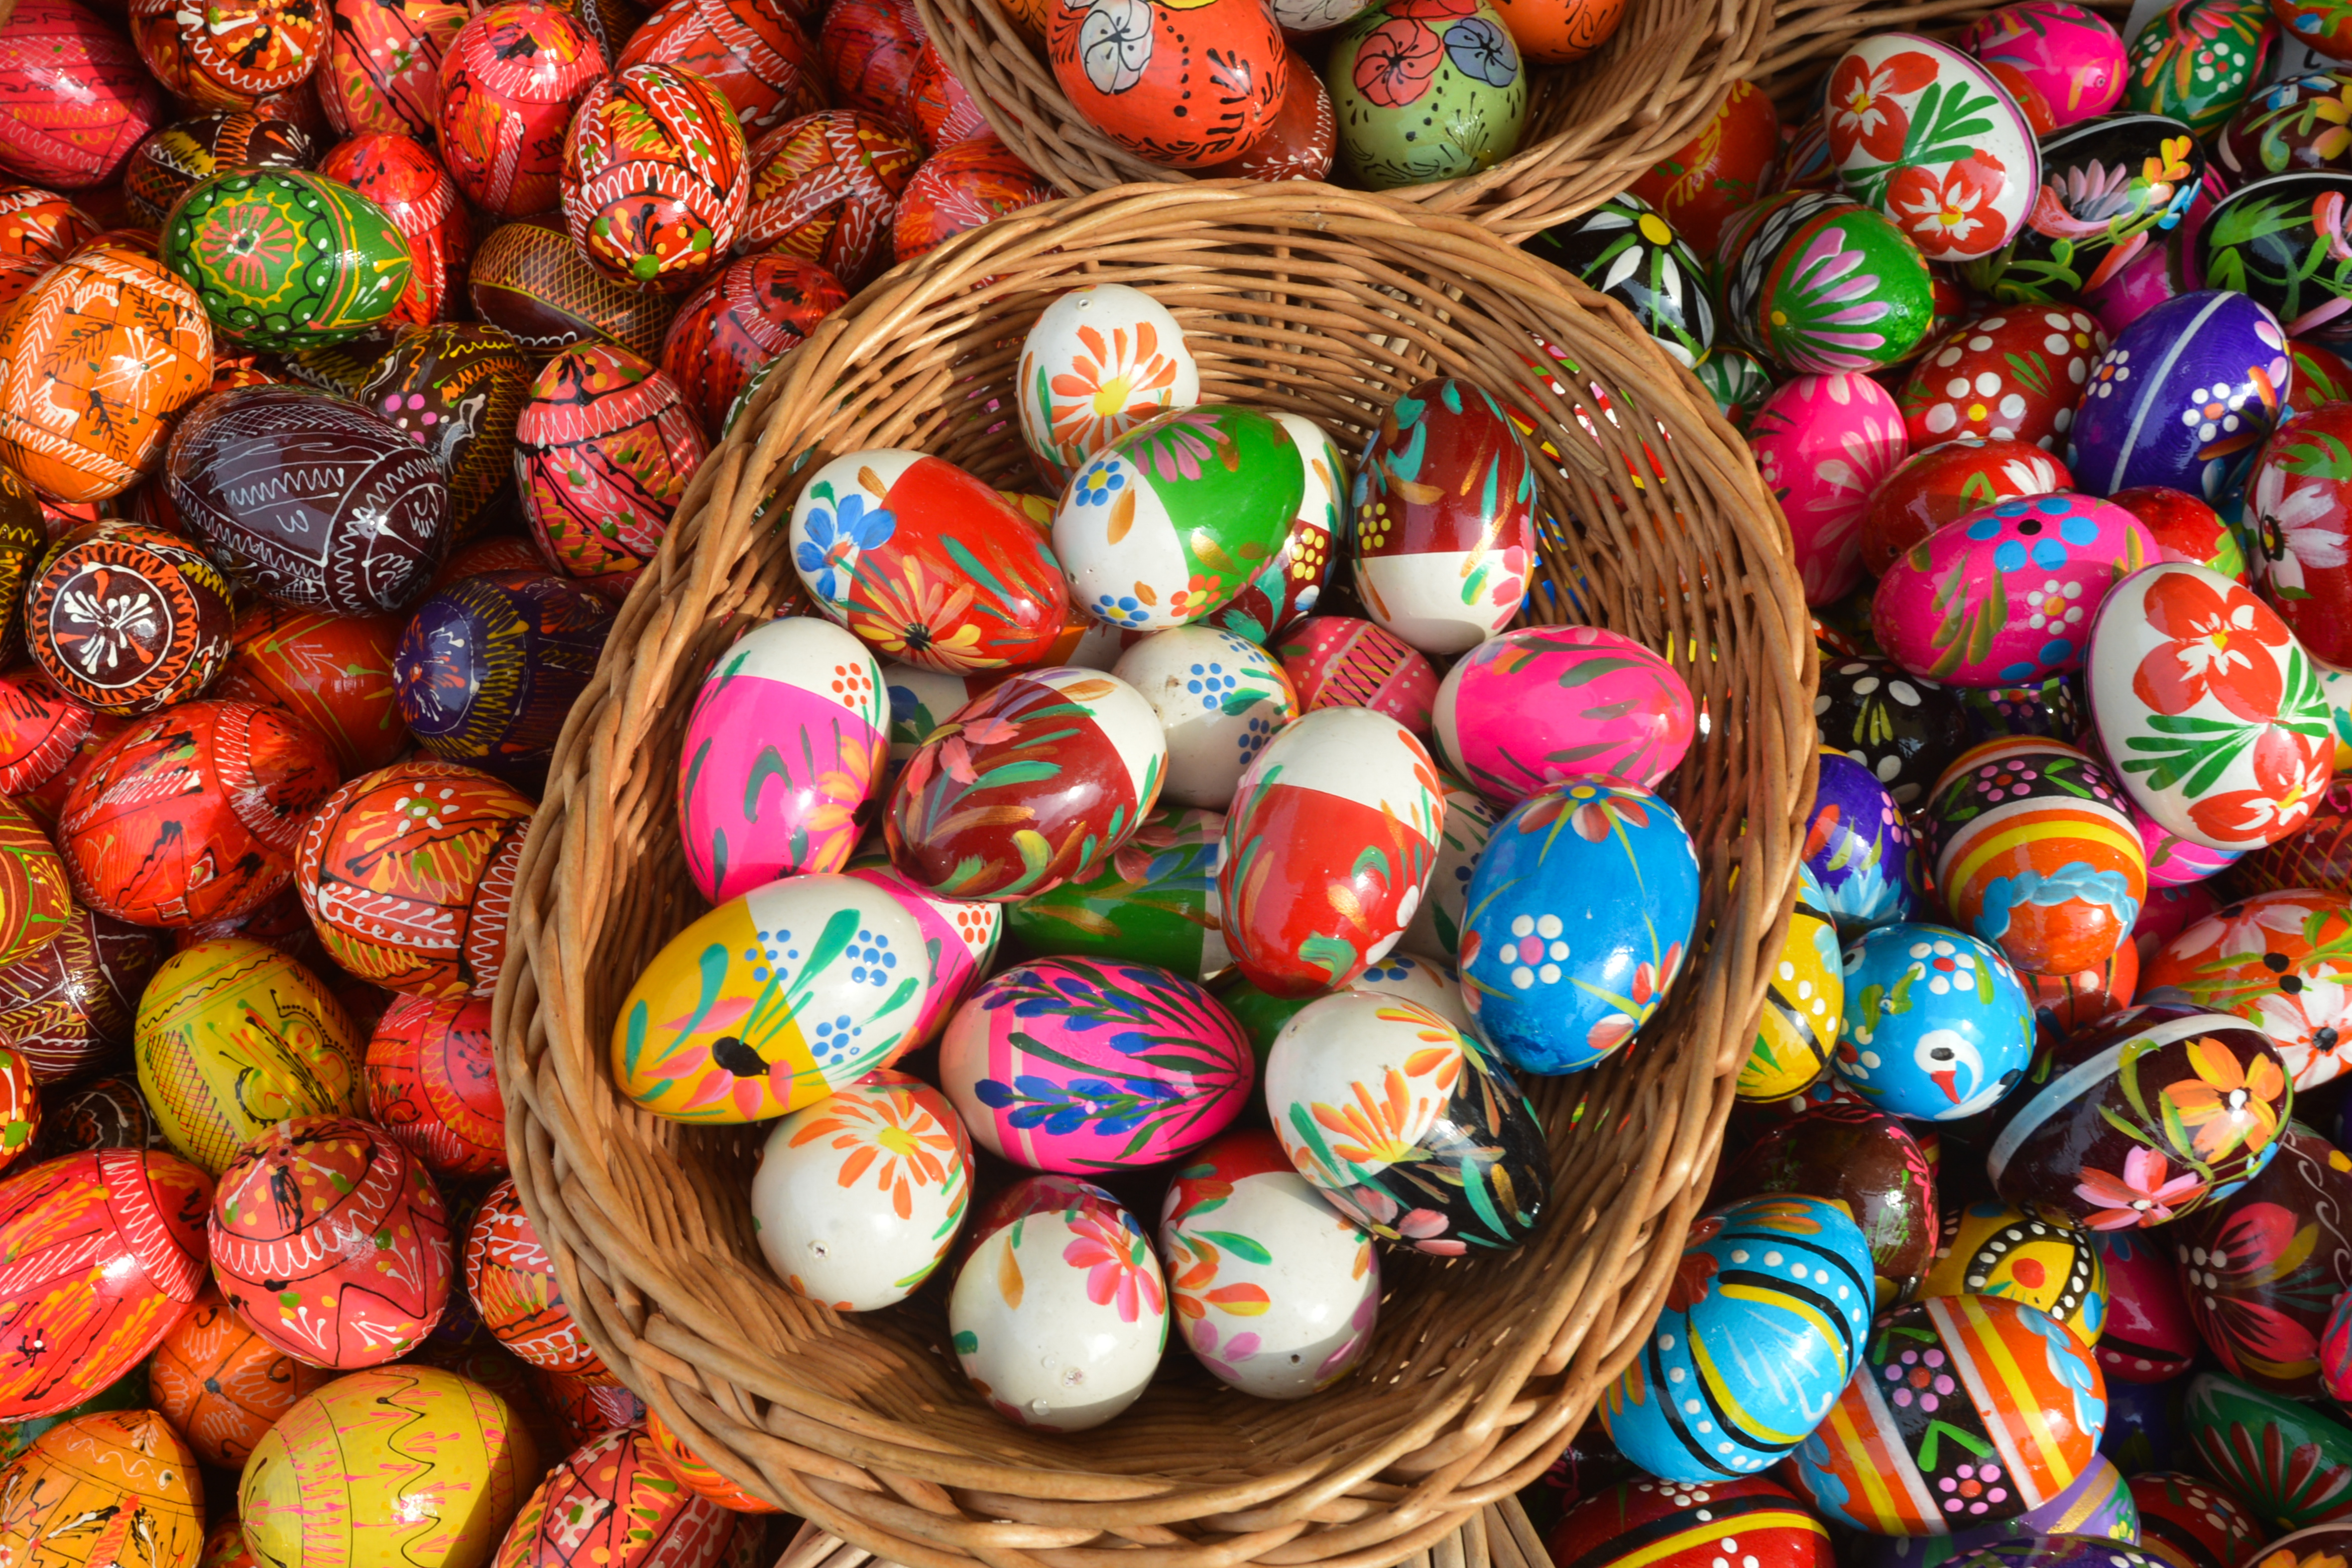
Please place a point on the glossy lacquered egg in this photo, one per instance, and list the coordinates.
(1220, 700)
(122, 1476)
(1423, 96)
(2216, 1409)
(1101, 361)
(1539, 704)
(1937, 1025)
(603, 449)
(826, 188)
(2182, 398)
(656, 177)
(431, 1084)
(1955, 193)
(2276, 960)
(1142, 76)
(614, 1502)
(286, 260)
(509, 82)
(75, 103)
(1804, 1002)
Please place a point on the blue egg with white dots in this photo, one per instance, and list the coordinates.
(1766, 1317)
(1220, 700)
(1936, 1027)
(1577, 919)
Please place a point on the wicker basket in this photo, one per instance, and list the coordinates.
(1300, 297)
(1592, 125)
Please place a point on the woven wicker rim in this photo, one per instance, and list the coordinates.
(1300, 297)
(1593, 126)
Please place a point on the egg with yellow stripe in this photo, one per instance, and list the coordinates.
(1666, 1524)
(1765, 1317)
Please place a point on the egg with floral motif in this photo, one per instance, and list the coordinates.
(858, 1196)
(1927, 135)
(1220, 700)
(1099, 362)
(1937, 1025)
(1541, 704)
(1859, 847)
(2182, 398)
(1804, 1002)
(1821, 284)
(1625, 250)
(2196, 60)
(1824, 444)
(1726, 166)
(2113, 191)
(1275, 1292)
(1426, 93)
(1469, 822)
(1178, 87)
(2014, 375)
(656, 177)
(2072, 56)
(2280, 961)
(2295, 503)
(959, 937)
(2260, 239)
(1290, 583)
(1155, 903)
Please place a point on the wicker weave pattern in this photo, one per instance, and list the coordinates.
(1298, 297)
(1592, 125)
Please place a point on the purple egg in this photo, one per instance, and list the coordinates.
(1857, 844)
(2182, 398)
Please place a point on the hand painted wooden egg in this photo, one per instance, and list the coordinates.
(1444, 505)
(2260, 239)
(119, 1485)
(2284, 126)
(752, 52)
(1956, 171)
(331, 1242)
(176, 157)
(2014, 375)
(1337, 661)
(614, 1502)
(752, 314)
(1302, 141)
(1904, 730)
(2290, 1465)
(75, 98)
(69, 1004)
(2261, 1269)
(230, 56)
(962, 187)
(1433, 1088)
(407, 873)
(407, 1464)
(2318, 855)
(2022, 1391)
(105, 1253)
(333, 672)
(286, 260)
(1219, 698)
(783, 751)
(1155, 903)
(489, 668)
(41, 731)
(510, 1280)
(2074, 57)
(1725, 167)
(1736, 380)
(869, 49)
(1804, 1002)
(222, 1385)
(1742, 1359)
(2113, 189)
(2150, 1336)
(2181, 397)
(402, 177)
(2281, 962)
(859, 1195)
(2143, 1119)
(192, 815)
(826, 188)
(20, 1108)
(926, 564)
(2101, 1548)
(1424, 96)
(1435, 933)
(431, 1084)
(1846, 1154)
(1133, 75)
(106, 1113)
(959, 935)
(1290, 583)
(36, 902)
(604, 449)
(166, 642)
(1783, 302)
(1857, 844)
(71, 421)
(1345, 803)
(2212, 705)
(2065, 1002)
(2295, 502)
(1626, 250)
(456, 389)
(1612, 708)
(1937, 1025)
(655, 177)
(943, 109)
(531, 281)
(699, 1477)
(509, 81)
(1059, 1319)
(2184, 529)
(2198, 59)
(1990, 1250)
(383, 66)
(818, 979)
(1099, 362)
(1034, 785)
(1690, 1525)
(1824, 444)
(233, 1038)
(1556, 978)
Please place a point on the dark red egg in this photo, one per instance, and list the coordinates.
(335, 671)
(2260, 1270)
(42, 223)
(96, 1114)
(585, 1409)
(1937, 484)
(179, 155)
(431, 1084)
(870, 49)
(943, 109)
(399, 175)
(753, 51)
(67, 1006)
(74, 99)
(2316, 855)
(960, 188)
(127, 619)
(499, 553)
(756, 310)
(826, 188)
(531, 282)
(456, 389)
(2185, 527)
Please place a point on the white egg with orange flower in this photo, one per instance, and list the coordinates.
(1099, 362)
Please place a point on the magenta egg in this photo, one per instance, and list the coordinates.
(1823, 443)
(2072, 58)
(1545, 703)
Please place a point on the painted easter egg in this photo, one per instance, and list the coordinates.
(222, 1385)
(2065, 1002)
(1444, 505)
(42, 731)
(2185, 528)
(456, 389)
(2181, 397)
(1931, 1370)
(1904, 730)
(1080, 754)
(431, 1087)
(1290, 583)
(75, 98)
(1804, 1002)
(119, 1485)
(1624, 249)
(2318, 855)
(70, 1003)
(960, 188)
(2197, 59)
(383, 66)
(128, 666)
(1957, 171)
(1220, 700)
(2149, 1337)
(487, 668)
(2294, 502)
(1724, 167)
(959, 937)
(857, 966)
(510, 1280)
(2072, 56)
(2260, 1270)
(1395, 72)
(1059, 1319)
(2014, 375)
(2035, 853)
(1302, 141)
(698, 1477)
(747, 316)
(1555, 979)
(1155, 903)
(2227, 752)
(1739, 1361)
(614, 1501)
(2005, 595)
(176, 157)
(287, 260)
(71, 423)
(2113, 190)
(1847, 1155)
(334, 673)
(2284, 127)
(783, 750)
(20, 1106)
(1099, 362)
(1142, 96)
(603, 449)
(1824, 444)
(2174, 861)
(869, 49)
(1619, 710)
(402, 1463)
(1990, 1250)
(858, 1196)
(1937, 1025)
(509, 81)
(233, 1038)
(1679, 1526)
(1439, 1090)
(1275, 1294)
(35, 899)
(1780, 303)
(1072, 1066)
(1937, 484)
(2142, 1119)
(531, 281)
(654, 177)
(233, 56)
(826, 188)
(1858, 846)
(105, 1253)
(407, 873)
(926, 564)
(751, 51)
(1435, 933)
(1345, 801)
(2187, 1522)
(1338, 661)
(2282, 1459)
(2259, 241)
(2280, 961)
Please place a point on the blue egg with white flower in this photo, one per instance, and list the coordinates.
(1858, 846)
(1936, 1024)
(1767, 1315)
(2182, 398)
(1578, 918)
(1220, 697)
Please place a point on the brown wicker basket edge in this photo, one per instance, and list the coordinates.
(1373, 1492)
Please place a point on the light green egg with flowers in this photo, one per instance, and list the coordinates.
(1426, 91)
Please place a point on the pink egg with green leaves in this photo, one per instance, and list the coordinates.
(1541, 704)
